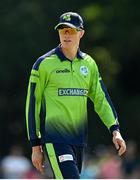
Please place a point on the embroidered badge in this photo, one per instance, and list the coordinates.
(84, 70)
(67, 17)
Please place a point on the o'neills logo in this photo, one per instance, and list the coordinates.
(72, 92)
(63, 71)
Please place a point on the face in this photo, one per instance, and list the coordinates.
(70, 37)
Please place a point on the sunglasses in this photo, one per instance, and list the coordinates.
(71, 31)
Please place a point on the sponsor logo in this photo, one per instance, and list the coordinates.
(65, 157)
(84, 70)
(72, 92)
(63, 71)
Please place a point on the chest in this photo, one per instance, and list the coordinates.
(70, 75)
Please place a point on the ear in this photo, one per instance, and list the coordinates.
(82, 33)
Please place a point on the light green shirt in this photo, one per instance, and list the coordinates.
(59, 88)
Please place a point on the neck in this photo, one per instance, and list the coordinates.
(69, 53)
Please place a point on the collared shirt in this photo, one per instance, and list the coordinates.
(58, 89)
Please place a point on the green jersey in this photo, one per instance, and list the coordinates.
(56, 106)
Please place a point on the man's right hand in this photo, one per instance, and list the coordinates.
(38, 158)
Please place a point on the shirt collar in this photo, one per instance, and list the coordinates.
(62, 57)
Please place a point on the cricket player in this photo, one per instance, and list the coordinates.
(56, 108)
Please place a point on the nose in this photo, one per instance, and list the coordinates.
(67, 32)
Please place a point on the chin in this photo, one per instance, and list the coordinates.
(67, 45)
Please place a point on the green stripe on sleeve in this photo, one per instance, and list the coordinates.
(53, 160)
(34, 76)
(35, 72)
(27, 110)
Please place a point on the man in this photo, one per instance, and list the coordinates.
(59, 85)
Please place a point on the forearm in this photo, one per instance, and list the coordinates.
(33, 104)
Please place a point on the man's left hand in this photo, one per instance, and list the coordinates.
(119, 142)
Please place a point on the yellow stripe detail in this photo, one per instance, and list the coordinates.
(53, 160)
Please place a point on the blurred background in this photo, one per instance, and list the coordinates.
(112, 38)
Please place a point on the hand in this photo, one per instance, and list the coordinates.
(119, 142)
(38, 158)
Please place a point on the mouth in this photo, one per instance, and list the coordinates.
(67, 41)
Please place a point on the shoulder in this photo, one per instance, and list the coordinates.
(89, 60)
(42, 59)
